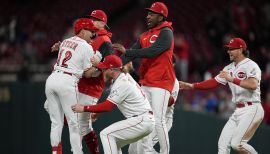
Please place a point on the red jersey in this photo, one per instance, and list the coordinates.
(94, 86)
(157, 71)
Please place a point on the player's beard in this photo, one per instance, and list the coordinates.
(232, 58)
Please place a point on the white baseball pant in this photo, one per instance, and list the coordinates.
(85, 117)
(61, 91)
(158, 99)
(135, 149)
(125, 132)
(240, 128)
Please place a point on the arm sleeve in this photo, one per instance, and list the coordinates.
(254, 71)
(105, 49)
(125, 59)
(136, 45)
(208, 84)
(162, 44)
(105, 106)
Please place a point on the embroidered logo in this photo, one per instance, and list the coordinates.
(241, 75)
(114, 93)
(153, 39)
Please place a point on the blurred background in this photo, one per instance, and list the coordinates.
(201, 27)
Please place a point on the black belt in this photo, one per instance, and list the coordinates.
(150, 112)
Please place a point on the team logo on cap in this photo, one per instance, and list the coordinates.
(153, 39)
(241, 75)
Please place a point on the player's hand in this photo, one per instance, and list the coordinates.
(77, 108)
(226, 75)
(94, 61)
(55, 47)
(94, 117)
(119, 47)
(185, 85)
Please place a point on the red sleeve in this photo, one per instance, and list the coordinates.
(208, 84)
(105, 106)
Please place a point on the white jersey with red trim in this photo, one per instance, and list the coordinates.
(128, 96)
(243, 70)
(74, 56)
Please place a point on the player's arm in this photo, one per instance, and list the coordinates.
(204, 85)
(162, 44)
(89, 73)
(106, 49)
(122, 49)
(249, 83)
(105, 106)
(56, 47)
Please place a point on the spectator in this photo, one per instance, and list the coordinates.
(181, 50)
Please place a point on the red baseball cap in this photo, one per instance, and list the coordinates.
(160, 8)
(99, 14)
(111, 61)
(84, 23)
(236, 43)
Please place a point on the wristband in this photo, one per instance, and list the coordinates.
(236, 81)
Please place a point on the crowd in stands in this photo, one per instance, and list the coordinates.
(28, 29)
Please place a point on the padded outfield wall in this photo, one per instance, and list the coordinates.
(25, 125)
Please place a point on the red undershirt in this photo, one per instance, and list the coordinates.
(207, 84)
(105, 106)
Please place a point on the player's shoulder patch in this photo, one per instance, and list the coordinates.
(241, 75)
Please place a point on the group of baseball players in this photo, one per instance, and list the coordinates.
(87, 60)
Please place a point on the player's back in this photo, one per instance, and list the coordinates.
(74, 56)
(128, 96)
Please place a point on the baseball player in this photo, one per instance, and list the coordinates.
(61, 86)
(157, 75)
(90, 89)
(168, 116)
(170, 109)
(127, 95)
(243, 77)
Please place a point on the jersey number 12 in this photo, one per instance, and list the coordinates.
(68, 55)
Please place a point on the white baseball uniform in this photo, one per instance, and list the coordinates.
(170, 110)
(61, 89)
(243, 123)
(84, 118)
(131, 101)
(135, 148)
